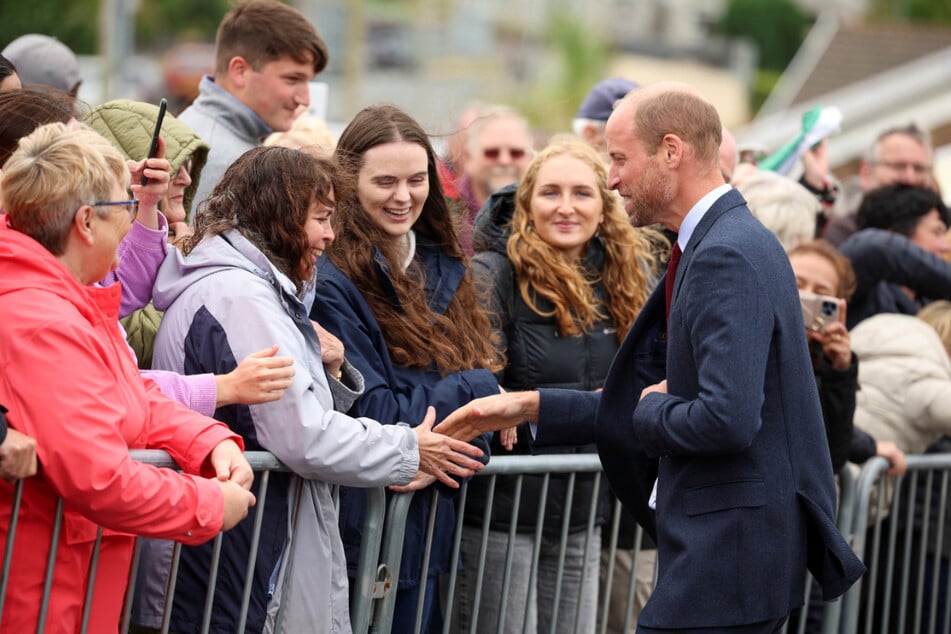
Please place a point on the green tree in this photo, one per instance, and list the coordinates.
(931, 11)
(162, 22)
(74, 22)
(777, 27)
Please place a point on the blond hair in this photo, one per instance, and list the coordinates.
(783, 206)
(937, 314)
(544, 271)
(55, 170)
(307, 134)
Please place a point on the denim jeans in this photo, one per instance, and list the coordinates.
(534, 606)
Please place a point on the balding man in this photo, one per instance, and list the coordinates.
(709, 415)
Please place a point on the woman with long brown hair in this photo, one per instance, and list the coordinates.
(396, 291)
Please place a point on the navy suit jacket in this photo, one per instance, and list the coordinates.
(746, 496)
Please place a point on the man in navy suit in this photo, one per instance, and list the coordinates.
(708, 426)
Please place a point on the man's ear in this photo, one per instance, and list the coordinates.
(82, 224)
(238, 68)
(591, 134)
(673, 149)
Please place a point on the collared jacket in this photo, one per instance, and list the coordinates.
(227, 125)
(222, 302)
(67, 374)
(745, 492)
(536, 356)
(396, 393)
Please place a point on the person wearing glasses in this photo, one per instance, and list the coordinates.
(900, 155)
(76, 390)
(128, 125)
(262, 376)
(496, 154)
(396, 290)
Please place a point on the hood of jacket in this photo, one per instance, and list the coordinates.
(128, 125)
(894, 337)
(214, 254)
(491, 228)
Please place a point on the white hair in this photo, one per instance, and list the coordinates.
(783, 206)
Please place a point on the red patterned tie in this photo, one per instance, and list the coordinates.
(672, 274)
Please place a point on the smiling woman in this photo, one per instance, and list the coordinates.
(396, 290)
(563, 288)
(242, 284)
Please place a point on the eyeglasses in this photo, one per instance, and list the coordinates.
(131, 206)
(902, 166)
(493, 153)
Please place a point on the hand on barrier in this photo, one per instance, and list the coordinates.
(237, 501)
(890, 451)
(490, 413)
(261, 377)
(421, 481)
(229, 464)
(17, 456)
(442, 456)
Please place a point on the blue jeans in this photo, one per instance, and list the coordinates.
(533, 607)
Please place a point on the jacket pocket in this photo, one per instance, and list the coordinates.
(724, 496)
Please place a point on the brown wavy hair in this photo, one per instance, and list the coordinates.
(266, 195)
(415, 335)
(544, 271)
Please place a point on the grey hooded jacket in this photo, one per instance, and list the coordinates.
(222, 302)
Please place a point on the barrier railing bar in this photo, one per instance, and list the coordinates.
(8, 549)
(50, 565)
(260, 503)
(91, 581)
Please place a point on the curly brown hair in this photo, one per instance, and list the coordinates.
(415, 335)
(266, 195)
(542, 270)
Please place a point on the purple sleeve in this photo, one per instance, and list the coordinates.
(197, 392)
(140, 254)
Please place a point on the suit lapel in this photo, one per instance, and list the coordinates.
(723, 204)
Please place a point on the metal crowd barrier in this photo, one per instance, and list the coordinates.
(902, 526)
(905, 547)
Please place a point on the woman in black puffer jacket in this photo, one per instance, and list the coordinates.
(563, 275)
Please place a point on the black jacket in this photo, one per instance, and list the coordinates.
(536, 356)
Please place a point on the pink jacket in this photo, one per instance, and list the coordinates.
(66, 372)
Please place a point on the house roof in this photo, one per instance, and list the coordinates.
(859, 51)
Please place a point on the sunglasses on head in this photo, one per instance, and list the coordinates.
(493, 153)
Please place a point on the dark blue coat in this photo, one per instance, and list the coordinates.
(745, 493)
(395, 394)
(884, 262)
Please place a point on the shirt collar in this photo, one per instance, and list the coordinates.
(696, 213)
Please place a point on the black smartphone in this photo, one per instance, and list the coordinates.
(153, 147)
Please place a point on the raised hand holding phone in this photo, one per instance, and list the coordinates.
(154, 145)
(150, 188)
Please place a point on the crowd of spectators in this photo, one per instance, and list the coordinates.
(257, 284)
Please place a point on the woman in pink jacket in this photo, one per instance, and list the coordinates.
(68, 375)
